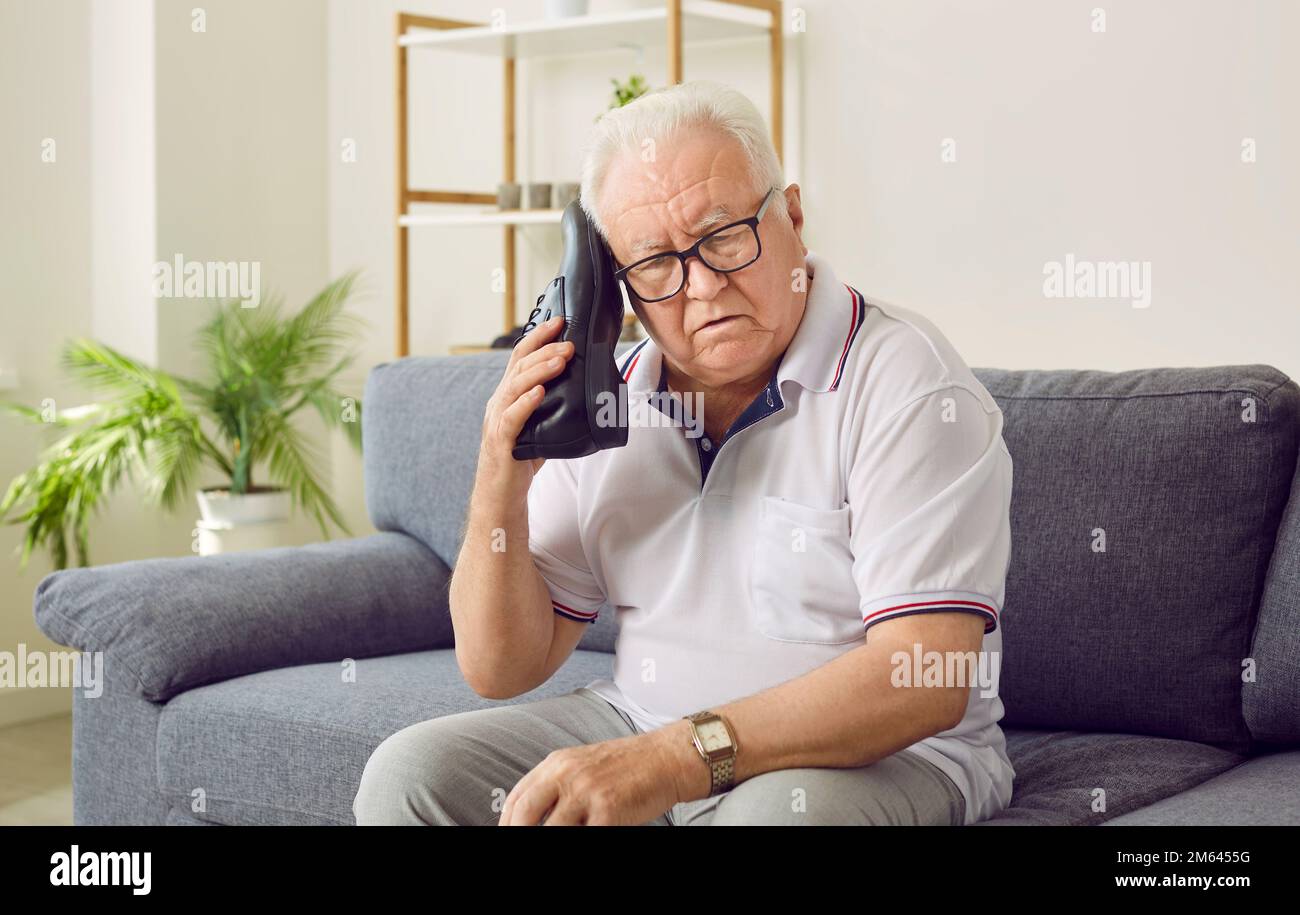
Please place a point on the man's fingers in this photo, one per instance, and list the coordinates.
(512, 419)
(565, 813)
(531, 803)
(536, 360)
(538, 337)
(524, 378)
(512, 797)
(523, 393)
(562, 348)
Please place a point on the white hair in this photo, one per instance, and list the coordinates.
(658, 115)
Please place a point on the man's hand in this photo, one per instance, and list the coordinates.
(626, 781)
(533, 362)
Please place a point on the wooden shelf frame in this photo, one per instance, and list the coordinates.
(413, 31)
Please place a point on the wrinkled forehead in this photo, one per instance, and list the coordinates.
(684, 191)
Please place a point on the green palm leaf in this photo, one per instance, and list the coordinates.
(162, 429)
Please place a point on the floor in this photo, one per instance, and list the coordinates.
(36, 773)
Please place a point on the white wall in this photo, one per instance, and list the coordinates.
(123, 203)
(1122, 145)
(241, 149)
(45, 281)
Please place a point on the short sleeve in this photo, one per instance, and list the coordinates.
(555, 543)
(929, 488)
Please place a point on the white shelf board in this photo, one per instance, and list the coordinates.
(702, 21)
(483, 218)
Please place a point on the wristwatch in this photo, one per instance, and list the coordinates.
(716, 743)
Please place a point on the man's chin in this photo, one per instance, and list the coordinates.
(724, 359)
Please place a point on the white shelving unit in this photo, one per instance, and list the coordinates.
(483, 218)
(703, 21)
(677, 25)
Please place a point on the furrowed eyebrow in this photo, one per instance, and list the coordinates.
(717, 217)
(720, 216)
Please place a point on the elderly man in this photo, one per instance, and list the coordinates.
(788, 585)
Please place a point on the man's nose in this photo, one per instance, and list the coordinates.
(701, 282)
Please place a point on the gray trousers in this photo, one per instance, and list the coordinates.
(458, 769)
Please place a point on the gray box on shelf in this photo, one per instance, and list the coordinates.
(224, 672)
(539, 195)
(508, 193)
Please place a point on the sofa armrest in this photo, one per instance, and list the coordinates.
(173, 624)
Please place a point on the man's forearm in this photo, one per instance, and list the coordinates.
(844, 714)
(493, 589)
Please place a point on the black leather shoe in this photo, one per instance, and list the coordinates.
(564, 424)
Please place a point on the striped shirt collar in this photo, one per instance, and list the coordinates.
(816, 356)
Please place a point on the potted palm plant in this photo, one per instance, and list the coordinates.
(262, 368)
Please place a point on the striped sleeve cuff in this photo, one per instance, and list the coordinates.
(573, 613)
(887, 608)
(574, 592)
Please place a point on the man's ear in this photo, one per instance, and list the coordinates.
(794, 208)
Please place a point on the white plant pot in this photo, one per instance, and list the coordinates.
(221, 507)
(563, 9)
(626, 6)
(216, 537)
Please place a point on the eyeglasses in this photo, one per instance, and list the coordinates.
(725, 250)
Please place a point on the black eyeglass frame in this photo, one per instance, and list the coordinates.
(694, 251)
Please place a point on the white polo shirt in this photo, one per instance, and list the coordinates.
(868, 481)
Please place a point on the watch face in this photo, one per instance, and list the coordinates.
(713, 735)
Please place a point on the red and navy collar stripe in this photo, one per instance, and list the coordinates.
(856, 320)
(632, 357)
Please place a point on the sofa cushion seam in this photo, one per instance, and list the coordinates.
(1081, 397)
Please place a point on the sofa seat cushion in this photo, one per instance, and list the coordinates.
(1263, 791)
(1059, 774)
(288, 746)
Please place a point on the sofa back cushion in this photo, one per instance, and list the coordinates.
(1145, 510)
(1145, 506)
(420, 437)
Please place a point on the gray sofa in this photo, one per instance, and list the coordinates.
(251, 688)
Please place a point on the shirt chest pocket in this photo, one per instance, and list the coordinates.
(801, 574)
